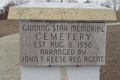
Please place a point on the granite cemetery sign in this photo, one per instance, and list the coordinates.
(56, 34)
(62, 43)
(61, 34)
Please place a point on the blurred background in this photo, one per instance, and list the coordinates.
(109, 71)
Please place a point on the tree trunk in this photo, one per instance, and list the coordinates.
(115, 8)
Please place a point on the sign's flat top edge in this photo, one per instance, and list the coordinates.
(65, 12)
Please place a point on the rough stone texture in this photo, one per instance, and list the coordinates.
(95, 49)
(9, 58)
(82, 14)
(111, 70)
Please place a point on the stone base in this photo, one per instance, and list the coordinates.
(60, 73)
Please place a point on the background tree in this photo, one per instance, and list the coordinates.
(1, 14)
(103, 4)
(49, 0)
(114, 3)
(4, 12)
(6, 9)
(119, 6)
(72, 1)
(106, 4)
(87, 1)
(19, 2)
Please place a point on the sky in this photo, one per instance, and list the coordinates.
(3, 2)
